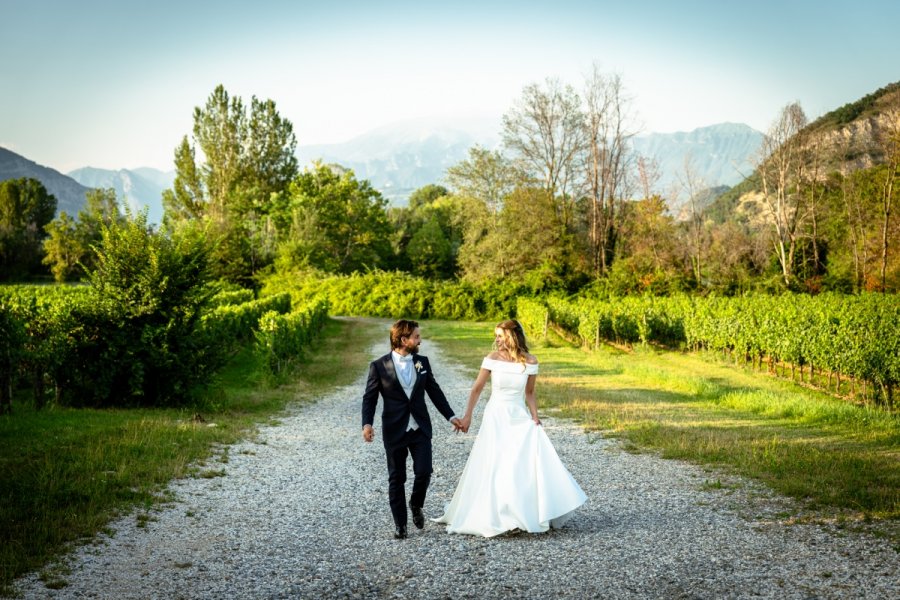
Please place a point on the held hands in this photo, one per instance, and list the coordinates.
(368, 433)
(458, 425)
(462, 424)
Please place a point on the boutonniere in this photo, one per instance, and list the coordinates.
(418, 366)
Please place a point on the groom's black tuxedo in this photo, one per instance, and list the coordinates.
(397, 408)
(399, 441)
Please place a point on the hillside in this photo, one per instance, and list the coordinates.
(70, 195)
(849, 137)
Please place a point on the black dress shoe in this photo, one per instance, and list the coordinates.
(418, 516)
(400, 532)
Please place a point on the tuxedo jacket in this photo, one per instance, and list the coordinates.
(395, 413)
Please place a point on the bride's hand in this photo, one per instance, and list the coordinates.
(466, 421)
(536, 420)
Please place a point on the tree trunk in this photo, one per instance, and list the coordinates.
(5, 395)
(39, 390)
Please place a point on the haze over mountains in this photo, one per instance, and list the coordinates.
(399, 158)
(722, 154)
(402, 157)
(138, 188)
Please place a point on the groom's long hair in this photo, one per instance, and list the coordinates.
(514, 339)
(401, 329)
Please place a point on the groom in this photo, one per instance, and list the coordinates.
(402, 377)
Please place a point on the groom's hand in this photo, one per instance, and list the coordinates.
(457, 424)
(368, 433)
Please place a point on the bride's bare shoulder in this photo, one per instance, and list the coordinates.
(494, 355)
(531, 359)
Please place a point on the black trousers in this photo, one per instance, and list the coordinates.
(418, 445)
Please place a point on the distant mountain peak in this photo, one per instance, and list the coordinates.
(401, 157)
(721, 154)
(70, 195)
(139, 188)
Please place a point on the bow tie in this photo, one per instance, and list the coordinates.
(405, 359)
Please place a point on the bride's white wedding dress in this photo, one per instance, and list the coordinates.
(513, 479)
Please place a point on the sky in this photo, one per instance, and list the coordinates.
(113, 84)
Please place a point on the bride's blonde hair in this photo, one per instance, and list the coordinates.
(513, 339)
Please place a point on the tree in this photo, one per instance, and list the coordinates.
(425, 196)
(486, 175)
(813, 185)
(249, 159)
(648, 256)
(692, 185)
(781, 169)
(889, 189)
(858, 192)
(605, 163)
(25, 209)
(452, 214)
(526, 235)
(68, 249)
(139, 339)
(543, 131)
(429, 250)
(187, 199)
(429, 207)
(481, 183)
(407, 221)
(62, 248)
(734, 258)
(339, 223)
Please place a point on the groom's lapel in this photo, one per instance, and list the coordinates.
(389, 368)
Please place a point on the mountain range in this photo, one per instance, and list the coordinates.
(402, 157)
(721, 155)
(399, 158)
(138, 188)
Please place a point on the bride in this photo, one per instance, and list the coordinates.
(513, 478)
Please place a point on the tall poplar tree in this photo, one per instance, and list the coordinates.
(226, 175)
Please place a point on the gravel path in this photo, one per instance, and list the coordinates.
(302, 512)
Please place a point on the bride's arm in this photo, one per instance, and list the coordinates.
(477, 388)
(531, 398)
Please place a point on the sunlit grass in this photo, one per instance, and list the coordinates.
(64, 473)
(829, 453)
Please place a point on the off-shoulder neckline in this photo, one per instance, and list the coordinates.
(510, 362)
